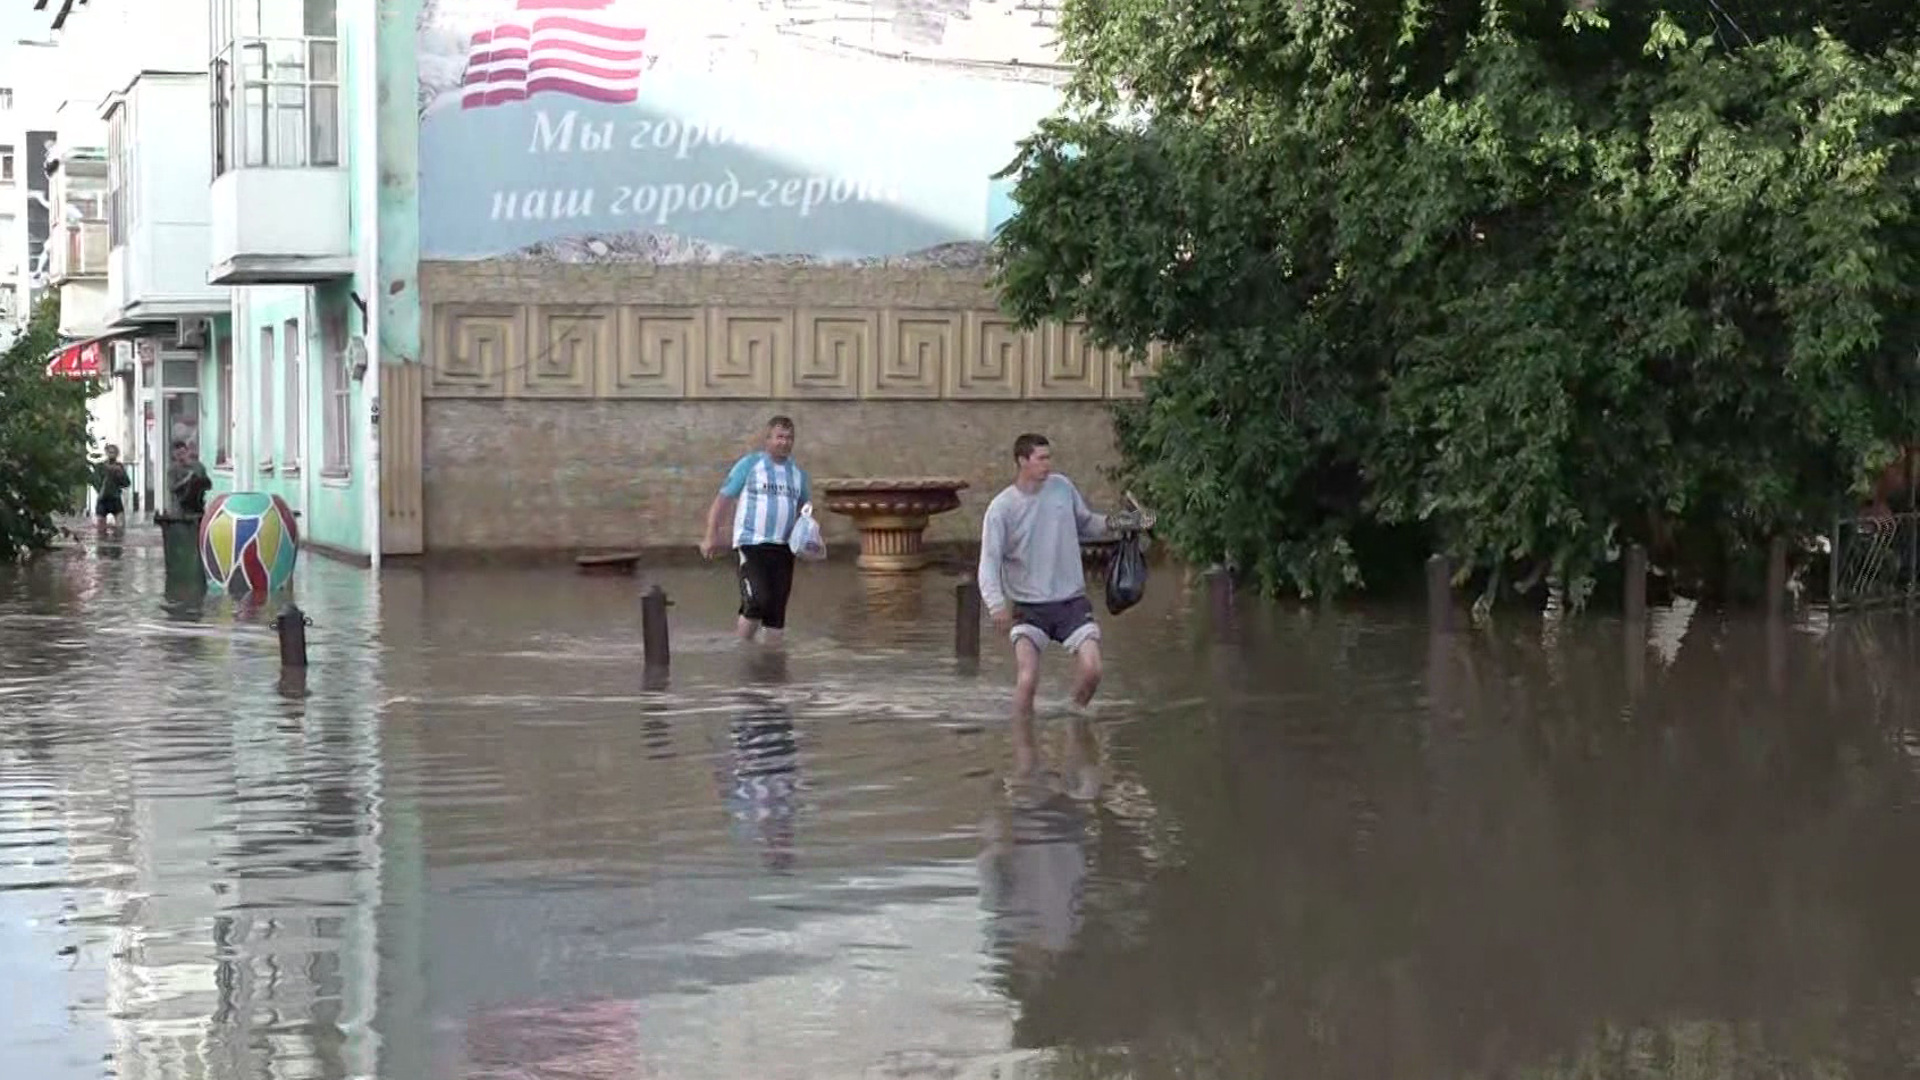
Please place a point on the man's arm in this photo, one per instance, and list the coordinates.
(993, 533)
(722, 507)
(717, 513)
(1091, 526)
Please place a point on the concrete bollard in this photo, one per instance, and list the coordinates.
(966, 619)
(1635, 585)
(291, 625)
(1439, 593)
(653, 629)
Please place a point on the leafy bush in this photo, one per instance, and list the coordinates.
(1520, 282)
(43, 438)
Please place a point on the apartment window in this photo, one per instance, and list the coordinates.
(117, 178)
(336, 420)
(6, 164)
(223, 453)
(295, 400)
(6, 98)
(337, 386)
(263, 378)
(275, 81)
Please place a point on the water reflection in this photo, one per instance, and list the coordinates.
(481, 844)
(1031, 879)
(763, 780)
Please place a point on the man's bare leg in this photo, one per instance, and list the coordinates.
(772, 636)
(1088, 668)
(746, 628)
(1026, 656)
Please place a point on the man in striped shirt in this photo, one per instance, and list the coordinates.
(764, 493)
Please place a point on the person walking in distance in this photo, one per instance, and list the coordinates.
(764, 494)
(111, 480)
(1033, 581)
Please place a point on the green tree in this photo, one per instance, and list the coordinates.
(43, 438)
(1519, 281)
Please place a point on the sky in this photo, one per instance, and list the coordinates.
(18, 19)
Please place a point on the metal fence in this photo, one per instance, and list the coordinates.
(1876, 561)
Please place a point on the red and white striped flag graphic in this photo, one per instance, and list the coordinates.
(552, 47)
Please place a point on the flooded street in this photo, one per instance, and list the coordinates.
(482, 847)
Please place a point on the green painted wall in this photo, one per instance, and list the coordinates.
(332, 504)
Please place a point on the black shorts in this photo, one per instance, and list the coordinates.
(109, 504)
(766, 580)
(1069, 622)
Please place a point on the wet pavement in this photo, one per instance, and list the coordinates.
(481, 845)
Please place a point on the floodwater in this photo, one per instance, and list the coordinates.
(482, 846)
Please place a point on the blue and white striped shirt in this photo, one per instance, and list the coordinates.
(768, 496)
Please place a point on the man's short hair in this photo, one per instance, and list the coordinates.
(179, 444)
(778, 423)
(1025, 445)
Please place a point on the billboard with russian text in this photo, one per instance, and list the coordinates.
(787, 130)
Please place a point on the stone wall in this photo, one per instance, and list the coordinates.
(590, 407)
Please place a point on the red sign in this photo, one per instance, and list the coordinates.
(77, 362)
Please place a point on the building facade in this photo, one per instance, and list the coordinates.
(26, 133)
(645, 227)
(238, 243)
(484, 275)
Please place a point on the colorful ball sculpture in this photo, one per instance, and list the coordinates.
(249, 542)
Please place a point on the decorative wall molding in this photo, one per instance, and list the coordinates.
(587, 351)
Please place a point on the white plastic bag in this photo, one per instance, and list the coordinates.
(806, 541)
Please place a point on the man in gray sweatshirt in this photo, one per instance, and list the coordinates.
(1032, 579)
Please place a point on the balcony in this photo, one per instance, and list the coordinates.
(160, 211)
(77, 252)
(280, 193)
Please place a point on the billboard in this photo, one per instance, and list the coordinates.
(798, 130)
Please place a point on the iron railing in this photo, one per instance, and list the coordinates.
(1876, 560)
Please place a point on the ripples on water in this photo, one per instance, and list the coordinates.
(482, 845)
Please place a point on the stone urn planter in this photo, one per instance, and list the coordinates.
(891, 515)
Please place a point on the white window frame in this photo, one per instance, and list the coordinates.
(117, 219)
(7, 170)
(275, 99)
(263, 371)
(293, 422)
(337, 408)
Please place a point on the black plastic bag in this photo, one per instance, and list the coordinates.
(1127, 574)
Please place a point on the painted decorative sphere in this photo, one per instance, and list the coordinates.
(249, 542)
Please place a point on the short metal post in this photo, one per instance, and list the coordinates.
(1777, 577)
(1439, 592)
(1834, 554)
(1636, 584)
(966, 619)
(653, 629)
(291, 625)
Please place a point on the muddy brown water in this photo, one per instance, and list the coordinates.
(481, 845)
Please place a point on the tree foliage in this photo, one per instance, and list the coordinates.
(43, 438)
(1519, 281)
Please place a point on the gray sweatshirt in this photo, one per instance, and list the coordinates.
(1030, 544)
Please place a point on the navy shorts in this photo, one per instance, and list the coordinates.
(1069, 622)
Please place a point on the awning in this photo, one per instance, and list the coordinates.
(83, 359)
